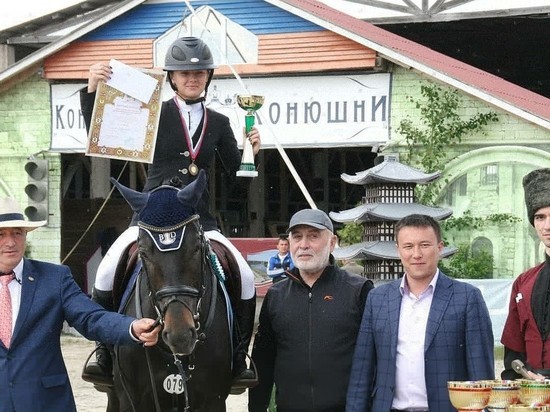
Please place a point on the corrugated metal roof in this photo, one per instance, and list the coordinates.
(490, 88)
(152, 20)
(311, 15)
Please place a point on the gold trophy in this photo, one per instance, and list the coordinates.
(250, 104)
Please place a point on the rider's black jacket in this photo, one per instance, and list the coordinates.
(305, 341)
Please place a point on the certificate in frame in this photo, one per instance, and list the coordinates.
(125, 128)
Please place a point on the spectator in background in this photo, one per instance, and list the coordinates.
(281, 262)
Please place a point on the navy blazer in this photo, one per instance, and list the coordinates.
(33, 376)
(458, 345)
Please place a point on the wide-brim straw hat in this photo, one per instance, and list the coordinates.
(11, 215)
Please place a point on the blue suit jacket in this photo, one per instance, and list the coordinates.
(458, 345)
(33, 376)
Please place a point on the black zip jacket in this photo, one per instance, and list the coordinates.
(305, 341)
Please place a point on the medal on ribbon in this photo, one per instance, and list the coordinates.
(194, 150)
(193, 169)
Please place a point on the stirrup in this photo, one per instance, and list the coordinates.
(93, 373)
(240, 385)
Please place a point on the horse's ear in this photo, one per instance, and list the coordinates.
(135, 199)
(191, 194)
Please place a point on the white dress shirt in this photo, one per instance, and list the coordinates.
(192, 114)
(410, 383)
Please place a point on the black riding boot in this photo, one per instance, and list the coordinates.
(100, 372)
(243, 377)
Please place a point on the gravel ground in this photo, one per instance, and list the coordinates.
(76, 350)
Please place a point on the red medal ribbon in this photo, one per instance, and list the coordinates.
(193, 150)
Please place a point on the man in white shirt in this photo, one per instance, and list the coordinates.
(419, 332)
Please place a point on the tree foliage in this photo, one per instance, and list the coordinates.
(430, 143)
(465, 265)
(440, 127)
(350, 234)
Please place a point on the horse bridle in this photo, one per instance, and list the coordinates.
(174, 294)
(167, 295)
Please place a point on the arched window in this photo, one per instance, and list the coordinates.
(482, 246)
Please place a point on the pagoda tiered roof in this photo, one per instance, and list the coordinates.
(389, 197)
(387, 211)
(390, 170)
(376, 250)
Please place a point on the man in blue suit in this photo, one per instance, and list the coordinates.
(419, 332)
(38, 298)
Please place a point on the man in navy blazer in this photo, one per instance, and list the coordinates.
(419, 332)
(33, 376)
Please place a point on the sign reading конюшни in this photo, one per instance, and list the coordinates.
(305, 111)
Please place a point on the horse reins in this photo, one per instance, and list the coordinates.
(174, 294)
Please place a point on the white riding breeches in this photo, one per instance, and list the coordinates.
(247, 275)
(105, 275)
(106, 270)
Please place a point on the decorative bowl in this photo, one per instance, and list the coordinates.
(534, 392)
(527, 408)
(469, 395)
(503, 394)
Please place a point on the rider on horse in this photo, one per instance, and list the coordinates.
(189, 136)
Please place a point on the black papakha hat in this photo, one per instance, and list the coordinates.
(537, 191)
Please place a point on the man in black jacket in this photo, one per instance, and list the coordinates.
(308, 325)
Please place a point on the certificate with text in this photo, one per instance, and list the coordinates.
(124, 127)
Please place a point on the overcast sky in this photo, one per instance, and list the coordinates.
(23, 10)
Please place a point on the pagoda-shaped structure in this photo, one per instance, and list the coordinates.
(389, 196)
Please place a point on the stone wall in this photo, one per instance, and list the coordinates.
(25, 118)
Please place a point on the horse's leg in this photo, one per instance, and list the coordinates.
(112, 402)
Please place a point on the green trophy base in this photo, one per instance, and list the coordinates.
(247, 170)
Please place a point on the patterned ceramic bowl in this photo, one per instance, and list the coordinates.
(503, 394)
(534, 392)
(527, 408)
(469, 395)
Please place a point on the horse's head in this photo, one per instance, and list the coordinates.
(172, 247)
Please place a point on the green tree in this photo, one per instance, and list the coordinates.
(430, 142)
(464, 265)
(440, 128)
(350, 234)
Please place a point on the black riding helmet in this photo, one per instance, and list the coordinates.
(189, 53)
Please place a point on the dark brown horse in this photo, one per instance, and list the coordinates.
(178, 284)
